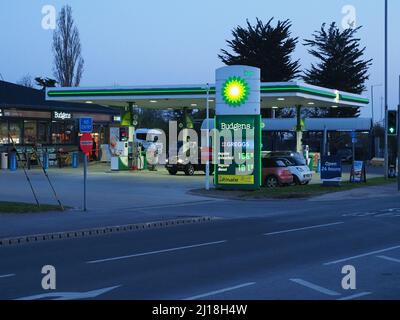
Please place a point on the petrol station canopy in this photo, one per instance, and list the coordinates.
(273, 95)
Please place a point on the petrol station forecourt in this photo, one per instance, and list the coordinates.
(260, 96)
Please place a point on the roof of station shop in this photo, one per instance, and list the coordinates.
(273, 94)
(16, 96)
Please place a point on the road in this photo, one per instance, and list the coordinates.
(283, 250)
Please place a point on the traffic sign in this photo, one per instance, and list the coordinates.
(86, 143)
(86, 125)
(354, 137)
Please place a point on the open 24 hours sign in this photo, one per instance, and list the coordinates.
(238, 162)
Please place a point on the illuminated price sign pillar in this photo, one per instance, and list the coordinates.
(237, 149)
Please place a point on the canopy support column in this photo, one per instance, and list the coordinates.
(299, 130)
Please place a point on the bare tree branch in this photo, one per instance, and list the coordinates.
(68, 62)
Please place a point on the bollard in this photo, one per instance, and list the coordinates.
(4, 161)
(318, 170)
(311, 163)
(75, 160)
(45, 161)
(13, 161)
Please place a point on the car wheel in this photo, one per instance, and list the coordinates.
(189, 171)
(272, 182)
(296, 180)
(172, 172)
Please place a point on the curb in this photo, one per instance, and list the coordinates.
(93, 232)
(233, 198)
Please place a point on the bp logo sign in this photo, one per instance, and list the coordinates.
(235, 91)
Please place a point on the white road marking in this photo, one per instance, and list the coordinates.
(157, 252)
(212, 293)
(315, 287)
(355, 296)
(7, 275)
(361, 255)
(70, 295)
(389, 259)
(305, 228)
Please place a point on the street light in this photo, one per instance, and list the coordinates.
(207, 182)
(386, 92)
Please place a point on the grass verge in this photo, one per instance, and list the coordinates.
(291, 192)
(20, 207)
(312, 190)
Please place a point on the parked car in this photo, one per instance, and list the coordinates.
(302, 174)
(275, 173)
(183, 163)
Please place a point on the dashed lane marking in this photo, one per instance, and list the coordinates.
(213, 293)
(157, 252)
(304, 228)
(315, 287)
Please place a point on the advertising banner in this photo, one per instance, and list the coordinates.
(358, 173)
(331, 170)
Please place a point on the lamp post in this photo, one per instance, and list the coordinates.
(207, 182)
(398, 142)
(386, 92)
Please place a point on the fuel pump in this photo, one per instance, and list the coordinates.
(121, 146)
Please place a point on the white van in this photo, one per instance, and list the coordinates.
(146, 138)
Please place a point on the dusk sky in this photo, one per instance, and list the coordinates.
(131, 42)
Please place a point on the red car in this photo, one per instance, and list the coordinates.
(275, 173)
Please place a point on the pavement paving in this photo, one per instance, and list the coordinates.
(124, 198)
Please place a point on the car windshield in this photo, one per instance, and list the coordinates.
(280, 164)
(298, 161)
(287, 162)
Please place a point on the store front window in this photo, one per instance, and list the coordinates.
(3, 132)
(30, 132)
(63, 133)
(16, 132)
(43, 132)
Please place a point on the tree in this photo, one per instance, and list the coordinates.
(68, 61)
(266, 47)
(45, 82)
(340, 64)
(26, 81)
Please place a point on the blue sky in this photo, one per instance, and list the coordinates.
(132, 42)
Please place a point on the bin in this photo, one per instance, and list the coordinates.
(45, 161)
(4, 161)
(13, 161)
(75, 160)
